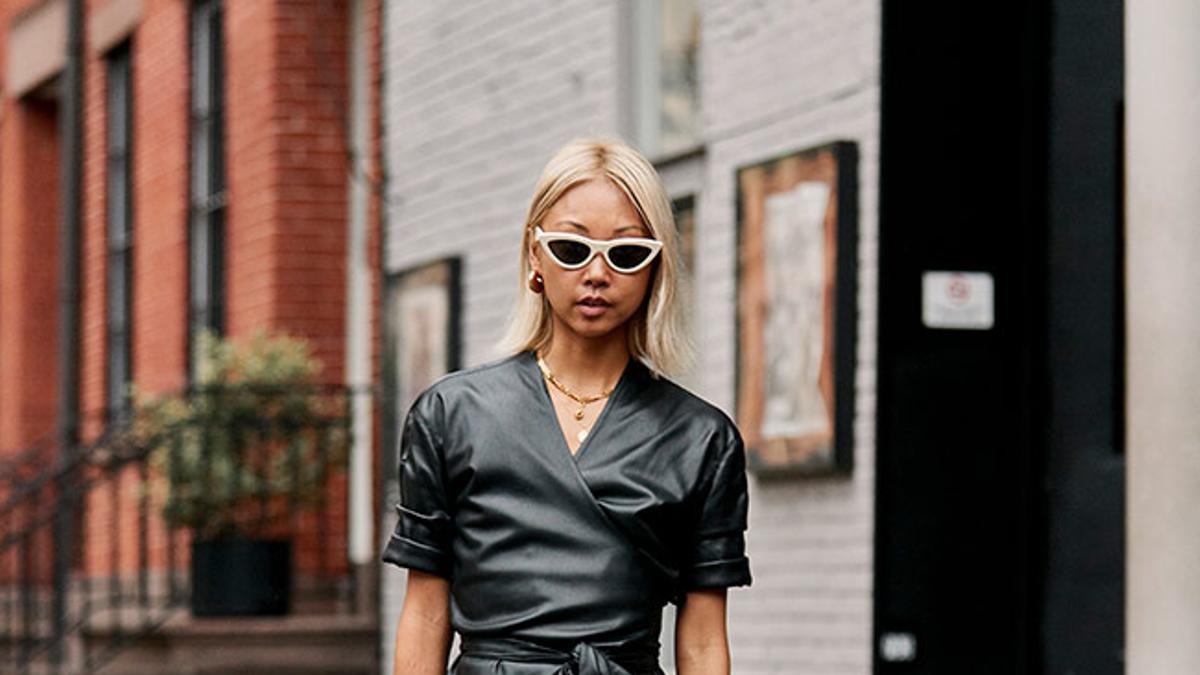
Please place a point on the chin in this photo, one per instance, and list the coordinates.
(593, 330)
(590, 328)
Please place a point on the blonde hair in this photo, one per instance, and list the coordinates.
(656, 332)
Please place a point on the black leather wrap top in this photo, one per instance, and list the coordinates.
(562, 563)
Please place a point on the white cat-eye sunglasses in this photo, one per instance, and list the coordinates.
(572, 251)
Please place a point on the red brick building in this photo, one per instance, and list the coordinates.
(229, 157)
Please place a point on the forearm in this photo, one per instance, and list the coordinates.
(702, 660)
(422, 643)
(701, 644)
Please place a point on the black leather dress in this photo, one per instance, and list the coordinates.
(562, 563)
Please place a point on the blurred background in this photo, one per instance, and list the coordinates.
(939, 268)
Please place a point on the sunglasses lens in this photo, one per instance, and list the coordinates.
(628, 256)
(569, 252)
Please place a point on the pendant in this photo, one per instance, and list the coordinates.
(581, 435)
(579, 414)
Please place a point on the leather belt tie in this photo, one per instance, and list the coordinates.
(581, 659)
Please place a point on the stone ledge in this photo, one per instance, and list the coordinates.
(299, 645)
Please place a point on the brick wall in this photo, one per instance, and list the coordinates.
(285, 96)
(478, 95)
(780, 76)
(29, 269)
(478, 98)
(94, 282)
(29, 243)
(160, 201)
(286, 93)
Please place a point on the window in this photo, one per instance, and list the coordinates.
(684, 208)
(666, 44)
(207, 207)
(119, 216)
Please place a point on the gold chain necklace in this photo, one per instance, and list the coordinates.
(581, 400)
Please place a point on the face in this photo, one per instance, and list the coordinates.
(593, 300)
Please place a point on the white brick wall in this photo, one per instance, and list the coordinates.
(479, 94)
(782, 75)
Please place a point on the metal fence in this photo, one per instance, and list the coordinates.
(95, 540)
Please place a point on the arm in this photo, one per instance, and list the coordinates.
(423, 634)
(701, 645)
(717, 561)
(422, 543)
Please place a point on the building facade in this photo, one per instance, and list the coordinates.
(975, 520)
(1004, 481)
(215, 167)
(478, 95)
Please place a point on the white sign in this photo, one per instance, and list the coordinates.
(962, 300)
(898, 647)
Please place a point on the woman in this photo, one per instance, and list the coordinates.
(554, 500)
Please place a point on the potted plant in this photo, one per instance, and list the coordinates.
(233, 458)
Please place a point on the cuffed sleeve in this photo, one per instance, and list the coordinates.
(718, 551)
(423, 535)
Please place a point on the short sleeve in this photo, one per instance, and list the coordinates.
(423, 535)
(718, 550)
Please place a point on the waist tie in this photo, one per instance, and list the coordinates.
(581, 659)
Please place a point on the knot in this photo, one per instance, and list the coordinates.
(587, 660)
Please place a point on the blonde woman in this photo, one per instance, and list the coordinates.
(555, 499)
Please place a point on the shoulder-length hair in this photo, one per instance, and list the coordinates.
(656, 332)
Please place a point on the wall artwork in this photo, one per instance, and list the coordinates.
(797, 248)
(421, 343)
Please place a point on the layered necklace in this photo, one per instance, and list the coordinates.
(581, 400)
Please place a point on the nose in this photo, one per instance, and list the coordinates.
(597, 271)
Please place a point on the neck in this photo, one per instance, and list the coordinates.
(587, 365)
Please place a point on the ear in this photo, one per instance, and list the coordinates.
(535, 260)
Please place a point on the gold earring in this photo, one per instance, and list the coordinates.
(536, 284)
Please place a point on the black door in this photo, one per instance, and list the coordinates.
(999, 510)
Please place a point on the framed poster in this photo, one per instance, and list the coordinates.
(421, 343)
(797, 248)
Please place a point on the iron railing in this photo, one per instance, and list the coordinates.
(120, 511)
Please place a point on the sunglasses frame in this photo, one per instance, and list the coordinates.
(597, 246)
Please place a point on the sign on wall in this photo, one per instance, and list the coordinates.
(957, 300)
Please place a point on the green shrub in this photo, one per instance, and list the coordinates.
(255, 432)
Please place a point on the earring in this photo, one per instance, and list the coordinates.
(536, 283)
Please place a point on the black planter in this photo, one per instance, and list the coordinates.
(241, 577)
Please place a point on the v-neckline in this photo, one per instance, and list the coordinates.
(552, 412)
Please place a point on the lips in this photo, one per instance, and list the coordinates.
(594, 301)
(593, 306)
